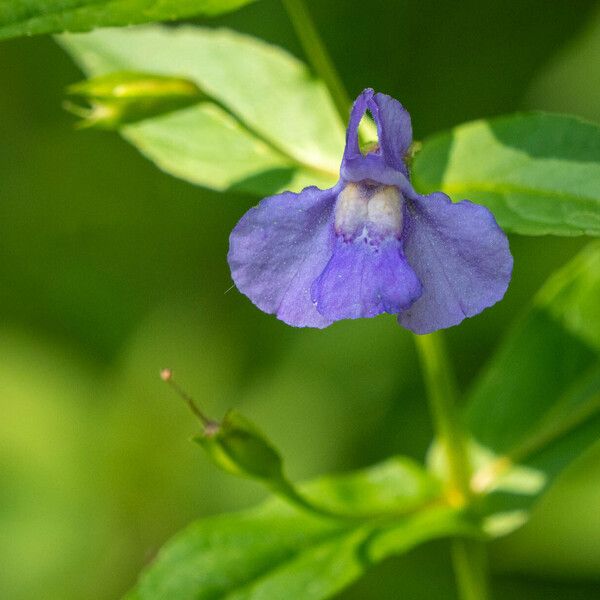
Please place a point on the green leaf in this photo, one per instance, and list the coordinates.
(49, 16)
(276, 551)
(270, 126)
(537, 405)
(538, 173)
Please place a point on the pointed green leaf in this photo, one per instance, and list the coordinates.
(537, 405)
(49, 16)
(538, 173)
(276, 551)
(270, 125)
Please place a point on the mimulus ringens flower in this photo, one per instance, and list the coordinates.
(371, 244)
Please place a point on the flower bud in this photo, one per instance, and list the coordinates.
(238, 447)
(126, 97)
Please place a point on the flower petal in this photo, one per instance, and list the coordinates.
(279, 248)
(359, 108)
(461, 257)
(394, 132)
(364, 281)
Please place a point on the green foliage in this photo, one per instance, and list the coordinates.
(563, 535)
(19, 18)
(538, 173)
(537, 405)
(276, 551)
(239, 448)
(268, 124)
(90, 258)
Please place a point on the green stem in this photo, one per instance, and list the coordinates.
(441, 392)
(470, 566)
(286, 490)
(469, 556)
(317, 55)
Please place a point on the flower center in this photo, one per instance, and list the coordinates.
(372, 212)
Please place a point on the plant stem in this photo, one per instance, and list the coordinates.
(317, 55)
(468, 556)
(286, 490)
(441, 392)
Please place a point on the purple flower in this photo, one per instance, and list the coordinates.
(371, 244)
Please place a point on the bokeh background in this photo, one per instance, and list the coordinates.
(111, 270)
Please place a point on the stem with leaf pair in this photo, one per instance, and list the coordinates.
(468, 556)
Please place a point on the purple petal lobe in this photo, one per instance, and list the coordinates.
(362, 280)
(359, 108)
(461, 257)
(394, 130)
(279, 248)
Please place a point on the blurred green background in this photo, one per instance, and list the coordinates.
(111, 270)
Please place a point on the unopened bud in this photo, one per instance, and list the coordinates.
(127, 97)
(238, 447)
(235, 444)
